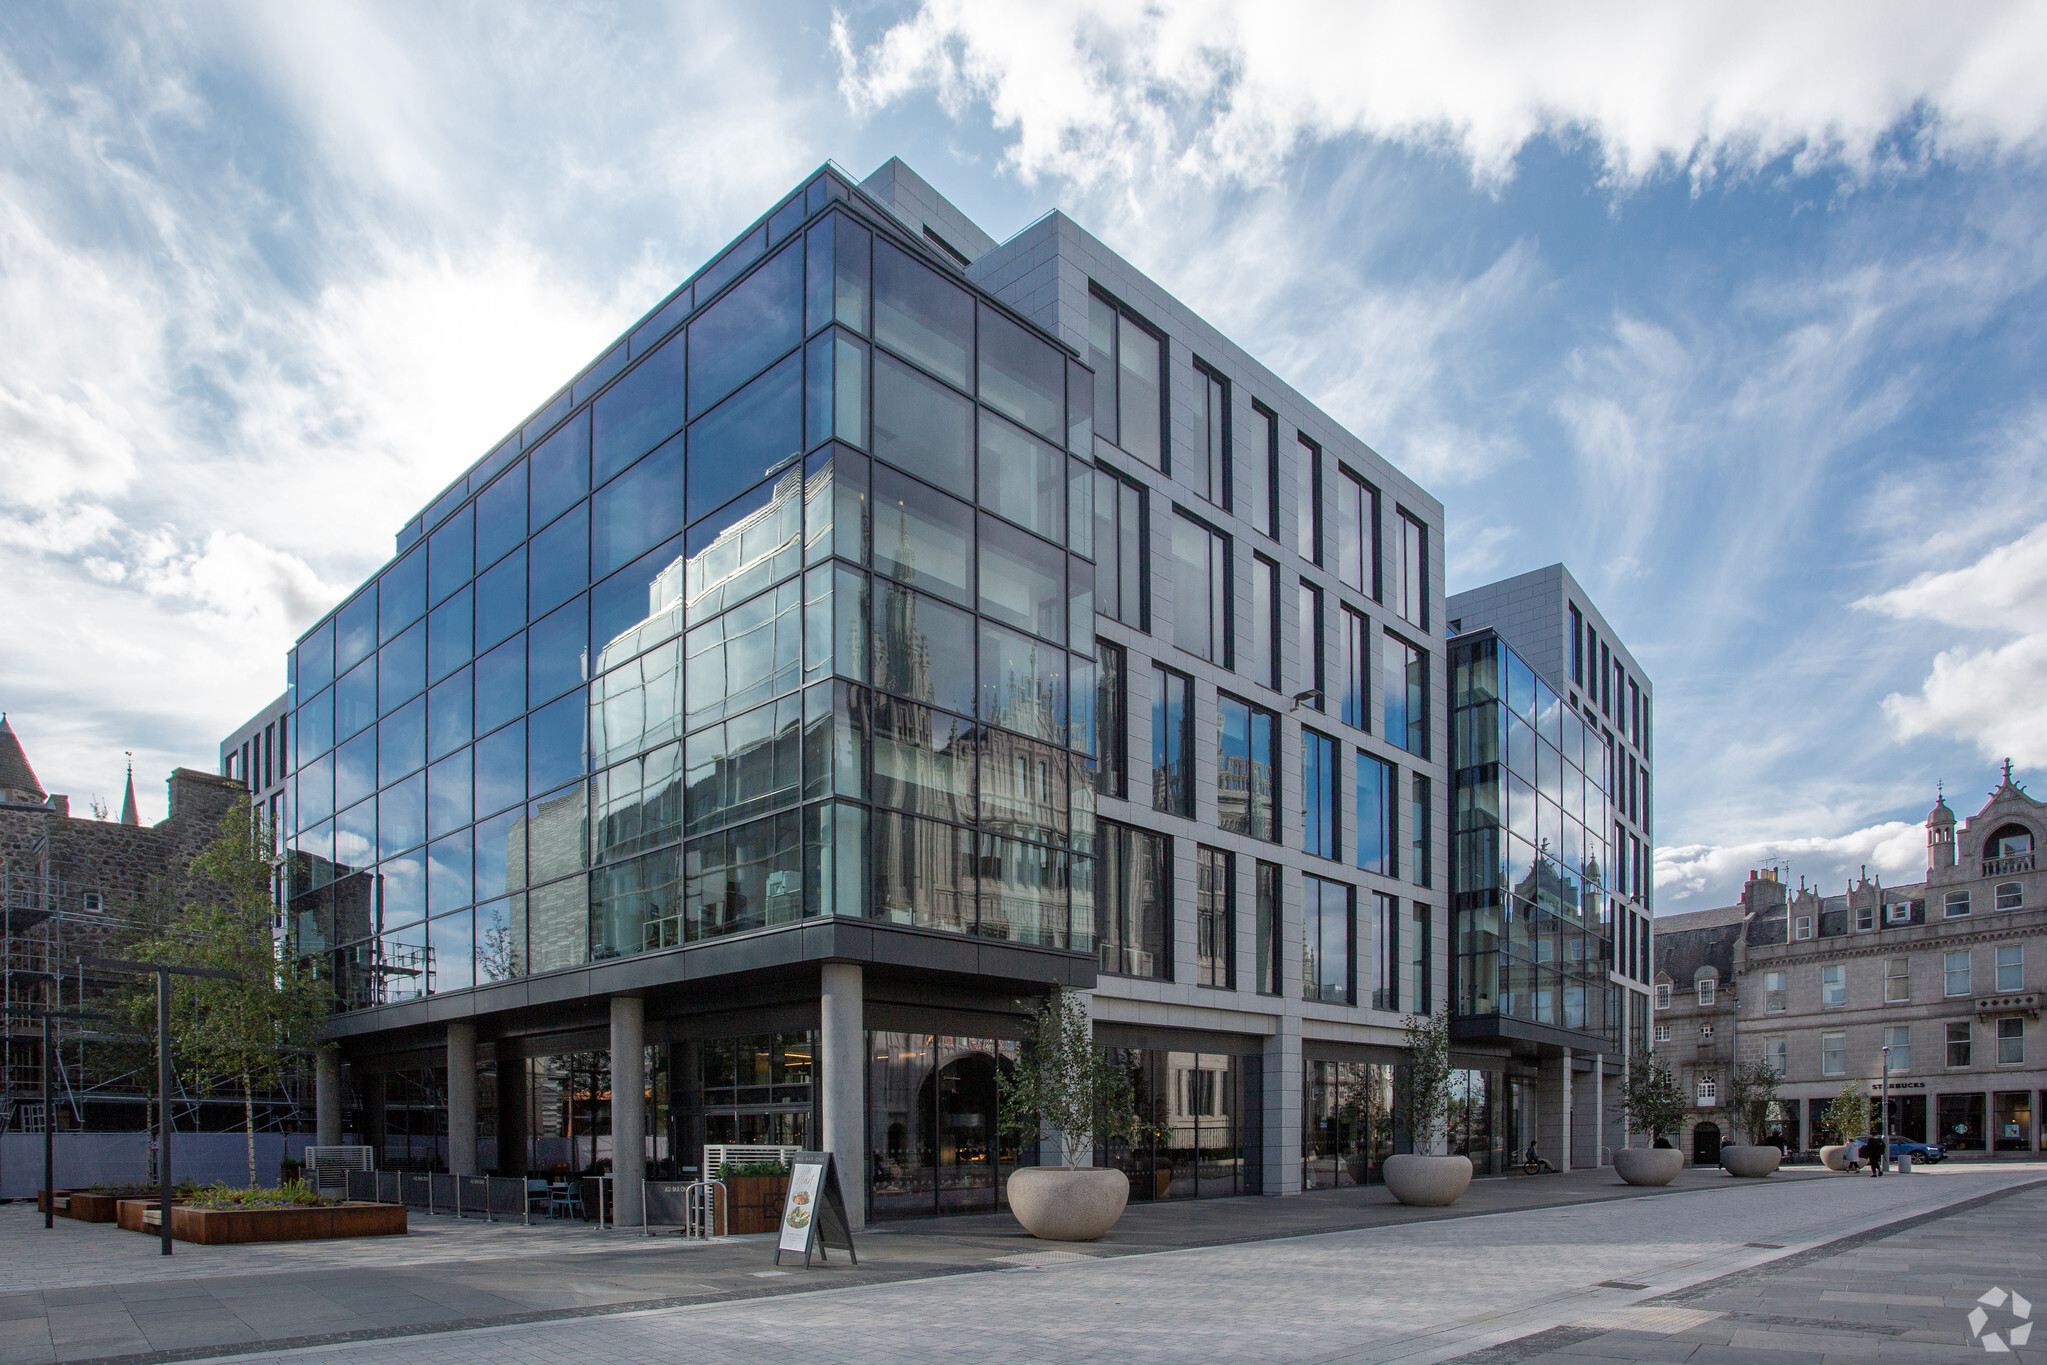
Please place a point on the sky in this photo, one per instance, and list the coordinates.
(1735, 309)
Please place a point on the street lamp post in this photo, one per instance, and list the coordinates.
(1884, 1128)
(164, 972)
(49, 1130)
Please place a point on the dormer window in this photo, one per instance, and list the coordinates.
(1705, 993)
(1801, 927)
(1663, 995)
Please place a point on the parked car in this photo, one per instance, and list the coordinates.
(1922, 1153)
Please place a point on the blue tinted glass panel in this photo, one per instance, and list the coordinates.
(449, 717)
(600, 372)
(448, 632)
(501, 517)
(449, 885)
(1022, 376)
(402, 886)
(739, 442)
(640, 411)
(721, 271)
(818, 254)
(355, 837)
(501, 600)
(401, 742)
(316, 659)
(314, 723)
(316, 790)
(495, 462)
(1022, 580)
(537, 425)
(560, 562)
(401, 816)
(501, 768)
(1023, 479)
(662, 323)
(355, 630)
(922, 426)
(635, 594)
(555, 651)
(355, 769)
(923, 316)
(1023, 684)
(451, 553)
(640, 509)
(500, 853)
(737, 336)
(448, 803)
(555, 742)
(401, 669)
(922, 649)
(501, 684)
(401, 594)
(559, 471)
(355, 699)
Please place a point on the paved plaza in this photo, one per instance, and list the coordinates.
(1806, 1266)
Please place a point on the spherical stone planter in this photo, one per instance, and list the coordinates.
(1834, 1158)
(1068, 1203)
(1428, 1182)
(1648, 1165)
(1750, 1163)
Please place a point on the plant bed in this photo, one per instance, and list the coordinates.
(218, 1227)
(88, 1206)
(128, 1213)
(63, 1198)
(754, 1202)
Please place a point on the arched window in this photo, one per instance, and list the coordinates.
(2010, 841)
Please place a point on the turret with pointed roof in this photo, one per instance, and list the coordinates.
(17, 780)
(129, 815)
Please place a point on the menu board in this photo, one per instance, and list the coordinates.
(814, 1210)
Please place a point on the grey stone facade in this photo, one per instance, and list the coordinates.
(1946, 972)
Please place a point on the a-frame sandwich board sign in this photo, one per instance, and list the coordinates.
(814, 1210)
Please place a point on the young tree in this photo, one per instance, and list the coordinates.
(1847, 1114)
(1651, 1097)
(1063, 1079)
(1422, 1090)
(1752, 1098)
(257, 1025)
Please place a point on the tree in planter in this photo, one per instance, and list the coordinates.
(1064, 1080)
(1422, 1086)
(1651, 1099)
(1752, 1097)
(257, 1025)
(1847, 1114)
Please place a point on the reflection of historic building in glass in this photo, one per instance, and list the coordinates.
(1549, 739)
(775, 680)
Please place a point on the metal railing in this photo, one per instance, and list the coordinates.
(688, 1206)
(492, 1196)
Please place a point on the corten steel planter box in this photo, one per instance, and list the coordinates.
(217, 1227)
(87, 1207)
(128, 1213)
(755, 1202)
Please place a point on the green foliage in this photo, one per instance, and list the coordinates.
(182, 1190)
(1847, 1114)
(1064, 1080)
(1651, 1098)
(294, 1195)
(732, 1170)
(1422, 1087)
(1752, 1098)
(258, 1025)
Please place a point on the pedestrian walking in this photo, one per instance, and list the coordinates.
(1873, 1153)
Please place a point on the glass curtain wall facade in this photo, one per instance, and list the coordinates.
(1531, 907)
(783, 609)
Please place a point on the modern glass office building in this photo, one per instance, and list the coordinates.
(1549, 859)
(892, 626)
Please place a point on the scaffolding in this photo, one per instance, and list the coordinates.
(46, 926)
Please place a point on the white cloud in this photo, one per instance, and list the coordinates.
(1991, 696)
(1230, 88)
(1894, 850)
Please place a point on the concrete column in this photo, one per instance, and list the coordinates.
(842, 1071)
(628, 1106)
(327, 1095)
(1553, 1102)
(1598, 1110)
(1566, 1114)
(511, 1068)
(462, 1098)
(1282, 1080)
